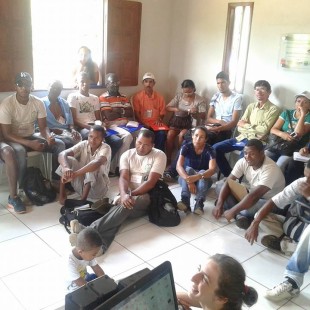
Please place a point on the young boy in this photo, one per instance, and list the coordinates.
(83, 254)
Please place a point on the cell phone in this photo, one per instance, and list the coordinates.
(293, 134)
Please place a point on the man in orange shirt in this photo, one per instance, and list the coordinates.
(150, 108)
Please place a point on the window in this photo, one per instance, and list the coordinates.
(120, 47)
(238, 29)
(59, 28)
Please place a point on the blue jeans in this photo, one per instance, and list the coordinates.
(281, 160)
(160, 139)
(299, 263)
(21, 156)
(202, 185)
(231, 201)
(224, 147)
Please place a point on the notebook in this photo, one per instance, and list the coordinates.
(156, 127)
(304, 158)
(155, 290)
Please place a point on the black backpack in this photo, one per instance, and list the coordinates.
(72, 211)
(163, 208)
(37, 188)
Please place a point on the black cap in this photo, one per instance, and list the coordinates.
(223, 76)
(23, 76)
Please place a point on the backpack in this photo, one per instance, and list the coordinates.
(163, 208)
(81, 210)
(38, 189)
(297, 218)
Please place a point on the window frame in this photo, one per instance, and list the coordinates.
(229, 38)
(16, 38)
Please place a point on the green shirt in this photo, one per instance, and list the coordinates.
(260, 120)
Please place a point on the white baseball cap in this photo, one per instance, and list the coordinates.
(148, 75)
(303, 94)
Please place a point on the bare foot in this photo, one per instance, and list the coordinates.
(229, 215)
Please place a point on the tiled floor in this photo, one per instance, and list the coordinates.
(34, 246)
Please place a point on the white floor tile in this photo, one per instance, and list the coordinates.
(41, 217)
(192, 227)
(3, 209)
(117, 260)
(11, 227)
(45, 284)
(266, 268)
(57, 238)
(132, 271)
(303, 299)
(223, 241)
(8, 300)
(292, 306)
(148, 243)
(34, 244)
(23, 252)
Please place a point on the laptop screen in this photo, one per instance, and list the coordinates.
(153, 291)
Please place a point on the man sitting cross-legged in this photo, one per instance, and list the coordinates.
(140, 169)
(265, 180)
(86, 165)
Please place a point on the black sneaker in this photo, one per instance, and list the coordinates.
(271, 242)
(242, 222)
(17, 204)
(168, 177)
(198, 208)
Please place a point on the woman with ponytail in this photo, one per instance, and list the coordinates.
(219, 285)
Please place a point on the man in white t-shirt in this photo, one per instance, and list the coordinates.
(264, 178)
(140, 169)
(19, 114)
(85, 108)
(224, 111)
(86, 165)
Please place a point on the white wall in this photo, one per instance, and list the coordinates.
(198, 42)
(185, 39)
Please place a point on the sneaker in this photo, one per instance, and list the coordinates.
(242, 222)
(76, 227)
(271, 242)
(184, 205)
(23, 197)
(282, 291)
(198, 208)
(16, 204)
(102, 206)
(288, 246)
(168, 177)
(73, 239)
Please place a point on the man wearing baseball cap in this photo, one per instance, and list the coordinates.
(150, 109)
(19, 114)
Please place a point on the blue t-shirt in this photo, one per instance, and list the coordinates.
(195, 161)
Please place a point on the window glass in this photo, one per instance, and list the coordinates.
(237, 42)
(59, 28)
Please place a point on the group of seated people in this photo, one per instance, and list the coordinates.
(88, 138)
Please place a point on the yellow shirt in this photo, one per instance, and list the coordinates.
(260, 120)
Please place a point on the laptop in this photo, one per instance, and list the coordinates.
(155, 290)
